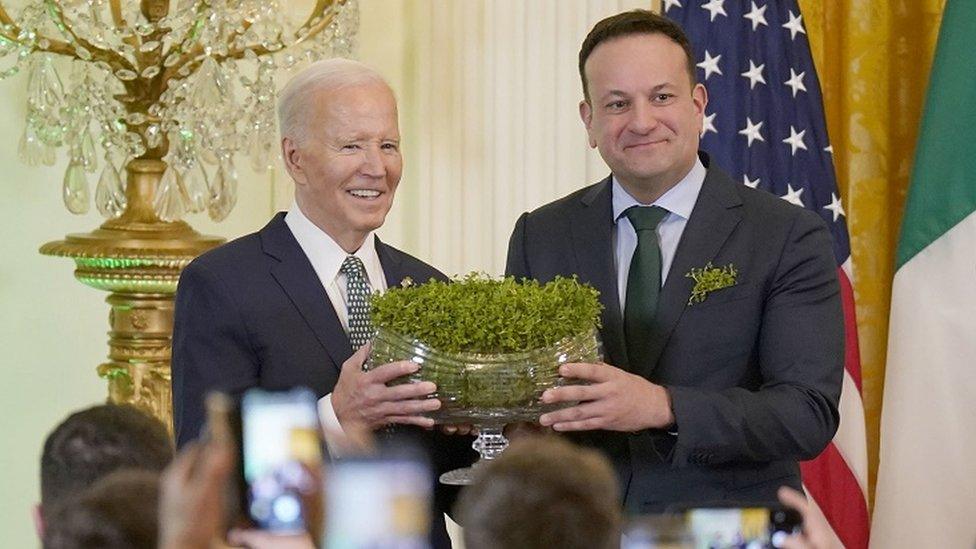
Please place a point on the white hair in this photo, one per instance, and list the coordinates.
(333, 73)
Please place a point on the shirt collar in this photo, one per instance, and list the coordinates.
(325, 254)
(679, 200)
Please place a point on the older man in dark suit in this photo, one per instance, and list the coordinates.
(722, 326)
(286, 306)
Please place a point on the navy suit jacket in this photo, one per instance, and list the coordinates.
(754, 371)
(253, 313)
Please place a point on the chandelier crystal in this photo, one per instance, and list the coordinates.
(191, 82)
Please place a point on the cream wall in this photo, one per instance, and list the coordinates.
(488, 93)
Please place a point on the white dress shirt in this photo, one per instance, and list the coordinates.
(326, 257)
(678, 201)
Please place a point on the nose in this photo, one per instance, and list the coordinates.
(643, 119)
(373, 165)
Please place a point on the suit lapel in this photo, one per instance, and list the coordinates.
(392, 270)
(592, 230)
(294, 273)
(713, 219)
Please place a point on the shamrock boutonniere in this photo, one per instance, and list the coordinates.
(708, 279)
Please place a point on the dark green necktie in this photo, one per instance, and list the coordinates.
(643, 283)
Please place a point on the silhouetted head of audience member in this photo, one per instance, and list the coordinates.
(542, 492)
(119, 511)
(92, 443)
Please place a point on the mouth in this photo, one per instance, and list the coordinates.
(644, 144)
(364, 194)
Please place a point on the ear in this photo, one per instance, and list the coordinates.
(699, 96)
(291, 153)
(38, 517)
(586, 115)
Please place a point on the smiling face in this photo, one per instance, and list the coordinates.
(348, 166)
(644, 114)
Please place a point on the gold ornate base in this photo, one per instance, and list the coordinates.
(138, 258)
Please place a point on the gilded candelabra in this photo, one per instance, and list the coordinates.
(170, 91)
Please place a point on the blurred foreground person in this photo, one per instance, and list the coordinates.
(92, 443)
(117, 512)
(542, 492)
(816, 533)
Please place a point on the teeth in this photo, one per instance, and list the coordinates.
(363, 193)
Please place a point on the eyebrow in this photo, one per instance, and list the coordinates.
(621, 93)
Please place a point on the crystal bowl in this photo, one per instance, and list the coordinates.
(486, 388)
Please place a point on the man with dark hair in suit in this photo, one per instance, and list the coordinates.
(92, 443)
(287, 306)
(713, 387)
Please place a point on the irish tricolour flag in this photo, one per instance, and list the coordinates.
(926, 493)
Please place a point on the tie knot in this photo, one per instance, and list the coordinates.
(645, 218)
(352, 267)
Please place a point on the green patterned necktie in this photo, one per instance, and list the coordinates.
(643, 283)
(357, 305)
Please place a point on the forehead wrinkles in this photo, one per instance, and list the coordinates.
(351, 116)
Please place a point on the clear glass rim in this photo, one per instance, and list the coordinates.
(422, 349)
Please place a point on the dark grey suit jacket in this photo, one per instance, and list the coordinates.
(754, 371)
(253, 313)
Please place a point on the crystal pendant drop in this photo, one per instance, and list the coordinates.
(75, 189)
(154, 137)
(168, 203)
(109, 193)
(48, 157)
(30, 148)
(88, 157)
(196, 189)
(209, 156)
(223, 192)
(260, 152)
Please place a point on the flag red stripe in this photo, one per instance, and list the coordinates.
(852, 360)
(835, 489)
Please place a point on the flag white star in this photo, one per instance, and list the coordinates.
(796, 82)
(750, 182)
(754, 74)
(710, 65)
(708, 124)
(795, 141)
(835, 206)
(795, 24)
(668, 4)
(829, 149)
(715, 8)
(757, 16)
(751, 131)
(793, 196)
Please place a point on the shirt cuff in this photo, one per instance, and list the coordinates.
(331, 428)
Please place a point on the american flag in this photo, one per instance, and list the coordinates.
(764, 123)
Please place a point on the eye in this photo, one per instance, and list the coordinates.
(663, 97)
(618, 105)
(350, 147)
(391, 146)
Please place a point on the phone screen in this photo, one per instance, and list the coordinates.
(281, 455)
(382, 502)
(714, 528)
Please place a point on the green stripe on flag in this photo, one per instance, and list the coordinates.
(943, 190)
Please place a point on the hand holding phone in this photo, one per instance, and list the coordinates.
(280, 471)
